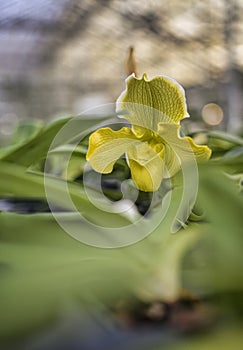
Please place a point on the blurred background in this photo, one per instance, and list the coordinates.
(62, 57)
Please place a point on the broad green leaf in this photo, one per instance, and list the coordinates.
(235, 140)
(26, 130)
(233, 161)
(216, 265)
(68, 167)
(222, 338)
(43, 268)
(15, 181)
(219, 141)
(36, 148)
(43, 271)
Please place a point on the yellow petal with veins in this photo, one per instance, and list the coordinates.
(150, 102)
(180, 149)
(106, 146)
(147, 166)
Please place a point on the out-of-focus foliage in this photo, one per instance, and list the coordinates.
(227, 338)
(44, 272)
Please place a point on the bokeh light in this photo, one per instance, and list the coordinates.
(212, 114)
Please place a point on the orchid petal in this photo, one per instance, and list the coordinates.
(106, 146)
(180, 149)
(147, 166)
(150, 102)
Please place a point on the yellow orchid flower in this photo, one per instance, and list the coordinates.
(153, 146)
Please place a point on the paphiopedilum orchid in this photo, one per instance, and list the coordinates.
(153, 146)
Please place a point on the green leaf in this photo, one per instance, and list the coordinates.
(222, 338)
(36, 148)
(233, 161)
(43, 271)
(67, 167)
(26, 130)
(215, 266)
(220, 142)
(16, 182)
